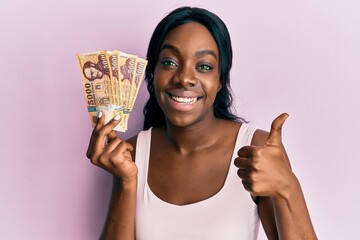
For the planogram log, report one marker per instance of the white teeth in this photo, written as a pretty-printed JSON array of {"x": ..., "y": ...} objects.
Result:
[{"x": 184, "y": 100}]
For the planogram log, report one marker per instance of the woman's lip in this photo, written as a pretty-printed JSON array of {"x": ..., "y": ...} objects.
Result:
[
  {"x": 182, "y": 105},
  {"x": 183, "y": 100},
  {"x": 176, "y": 96},
  {"x": 182, "y": 94}
]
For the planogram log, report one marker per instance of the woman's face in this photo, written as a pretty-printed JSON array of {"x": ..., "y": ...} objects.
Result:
[{"x": 186, "y": 76}]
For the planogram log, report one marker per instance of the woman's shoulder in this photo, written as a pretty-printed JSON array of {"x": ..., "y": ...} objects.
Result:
[
  {"x": 133, "y": 140},
  {"x": 260, "y": 137},
  {"x": 230, "y": 124}
]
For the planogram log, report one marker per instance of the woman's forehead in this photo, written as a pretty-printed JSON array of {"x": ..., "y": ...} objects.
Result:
[{"x": 191, "y": 34}]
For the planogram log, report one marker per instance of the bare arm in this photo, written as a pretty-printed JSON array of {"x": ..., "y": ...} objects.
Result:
[
  {"x": 267, "y": 217},
  {"x": 120, "y": 221},
  {"x": 292, "y": 216},
  {"x": 286, "y": 218},
  {"x": 265, "y": 170},
  {"x": 108, "y": 151}
]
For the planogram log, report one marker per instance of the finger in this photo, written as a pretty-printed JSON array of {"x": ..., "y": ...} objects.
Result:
[
  {"x": 112, "y": 145},
  {"x": 243, "y": 175},
  {"x": 276, "y": 127},
  {"x": 246, "y": 185},
  {"x": 112, "y": 151},
  {"x": 101, "y": 134},
  {"x": 245, "y": 151},
  {"x": 98, "y": 125},
  {"x": 112, "y": 135},
  {"x": 242, "y": 163},
  {"x": 102, "y": 158},
  {"x": 100, "y": 121},
  {"x": 122, "y": 147}
]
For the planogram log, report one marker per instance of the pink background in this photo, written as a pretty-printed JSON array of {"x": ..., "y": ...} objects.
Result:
[{"x": 302, "y": 57}]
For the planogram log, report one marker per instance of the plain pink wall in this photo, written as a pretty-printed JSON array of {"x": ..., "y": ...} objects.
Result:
[{"x": 302, "y": 57}]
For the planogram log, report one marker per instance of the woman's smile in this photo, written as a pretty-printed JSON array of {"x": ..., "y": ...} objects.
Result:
[
  {"x": 181, "y": 102},
  {"x": 184, "y": 100}
]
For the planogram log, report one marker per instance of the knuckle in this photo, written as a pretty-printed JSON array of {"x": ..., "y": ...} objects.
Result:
[
  {"x": 255, "y": 166},
  {"x": 129, "y": 146},
  {"x": 94, "y": 161},
  {"x": 258, "y": 152},
  {"x": 114, "y": 162},
  {"x": 115, "y": 141},
  {"x": 123, "y": 145},
  {"x": 102, "y": 159},
  {"x": 253, "y": 176},
  {"x": 255, "y": 188}
]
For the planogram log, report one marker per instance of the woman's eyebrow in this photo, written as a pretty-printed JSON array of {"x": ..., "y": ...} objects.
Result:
[
  {"x": 203, "y": 52},
  {"x": 169, "y": 46}
]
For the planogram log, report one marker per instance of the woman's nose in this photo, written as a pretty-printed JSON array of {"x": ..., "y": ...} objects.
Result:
[{"x": 186, "y": 76}]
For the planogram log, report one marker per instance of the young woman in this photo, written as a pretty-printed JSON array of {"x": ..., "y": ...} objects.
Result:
[{"x": 197, "y": 171}]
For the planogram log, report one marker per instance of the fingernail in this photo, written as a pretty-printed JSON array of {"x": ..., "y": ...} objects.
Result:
[
  {"x": 117, "y": 117},
  {"x": 99, "y": 114}
]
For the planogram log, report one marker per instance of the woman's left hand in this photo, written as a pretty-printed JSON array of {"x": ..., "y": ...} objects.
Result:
[{"x": 265, "y": 170}]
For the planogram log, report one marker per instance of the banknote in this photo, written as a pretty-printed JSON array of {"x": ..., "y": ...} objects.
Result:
[
  {"x": 127, "y": 65},
  {"x": 115, "y": 76},
  {"x": 139, "y": 76},
  {"x": 97, "y": 84},
  {"x": 113, "y": 57},
  {"x": 111, "y": 82}
]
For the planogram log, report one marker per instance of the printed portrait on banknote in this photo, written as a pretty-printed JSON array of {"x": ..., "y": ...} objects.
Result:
[{"x": 93, "y": 71}]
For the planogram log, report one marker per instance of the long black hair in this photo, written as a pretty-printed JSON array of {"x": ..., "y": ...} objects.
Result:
[{"x": 154, "y": 116}]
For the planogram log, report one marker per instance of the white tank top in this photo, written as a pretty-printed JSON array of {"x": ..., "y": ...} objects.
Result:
[{"x": 229, "y": 214}]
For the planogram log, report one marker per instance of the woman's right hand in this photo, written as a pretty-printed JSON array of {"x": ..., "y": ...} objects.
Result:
[{"x": 108, "y": 151}]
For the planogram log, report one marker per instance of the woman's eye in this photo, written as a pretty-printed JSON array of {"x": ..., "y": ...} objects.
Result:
[
  {"x": 168, "y": 63},
  {"x": 205, "y": 67}
]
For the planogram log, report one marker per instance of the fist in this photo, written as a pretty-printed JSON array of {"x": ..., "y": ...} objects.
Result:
[
  {"x": 265, "y": 170},
  {"x": 108, "y": 151}
]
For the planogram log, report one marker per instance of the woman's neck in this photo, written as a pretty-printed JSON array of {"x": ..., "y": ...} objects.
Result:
[{"x": 196, "y": 137}]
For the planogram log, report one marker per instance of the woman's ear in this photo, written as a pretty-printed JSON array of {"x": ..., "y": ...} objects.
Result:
[{"x": 219, "y": 87}]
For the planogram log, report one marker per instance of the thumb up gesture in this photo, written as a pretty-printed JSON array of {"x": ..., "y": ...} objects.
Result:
[{"x": 265, "y": 170}]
